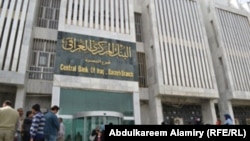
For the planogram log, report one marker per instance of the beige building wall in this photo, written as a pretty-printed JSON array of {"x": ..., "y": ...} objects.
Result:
[{"x": 190, "y": 58}]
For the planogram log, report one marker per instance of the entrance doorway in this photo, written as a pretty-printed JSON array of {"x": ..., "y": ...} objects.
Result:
[{"x": 85, "y": 122}]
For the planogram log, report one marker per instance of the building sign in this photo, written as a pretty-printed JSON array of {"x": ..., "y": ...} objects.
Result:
[{"x": 81, "y": 55}]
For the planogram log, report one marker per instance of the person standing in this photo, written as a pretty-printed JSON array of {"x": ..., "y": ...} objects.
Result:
[
  {"x": 52, "y": 124},
  {"x": 228, "y": 120},
  {"x": 26, "y": 126},
  {"x": 8, "y": 121},
  {"x": 78, "y": 137},
  {"x": 68, "y": 138},
  {"x": 218, "y": 122},
  {"x": 37, "y": 125},
  {"x": 198, "y": 121},
  {"x": 61, "y": 132},
  {"x": 94, "y": 133},
  {"x": 99, "y": 136},
  {"x": 18, "y": 135}
]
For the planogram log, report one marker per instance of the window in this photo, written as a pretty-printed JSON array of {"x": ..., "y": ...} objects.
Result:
[
  {"x": 142, "y": 73},
  {"x": 48, "y": 14},
  {"x": 138, "y": 27},
  {"x": 42, "y": 61}
]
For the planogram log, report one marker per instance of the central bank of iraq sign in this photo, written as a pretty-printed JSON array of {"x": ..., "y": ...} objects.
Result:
[{"x": 80, "y": 55}]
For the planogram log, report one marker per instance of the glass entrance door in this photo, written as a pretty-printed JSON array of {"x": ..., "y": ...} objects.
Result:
[{"x": 85, "y": 122}]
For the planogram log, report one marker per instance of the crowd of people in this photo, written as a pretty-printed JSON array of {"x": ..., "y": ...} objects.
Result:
[
  {"x": 35, "y": 126},
  {"x": 97, "y": 134},
  {"x": 39, "y": 126}
]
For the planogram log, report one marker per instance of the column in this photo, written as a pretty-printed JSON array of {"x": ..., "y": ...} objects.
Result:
[
  {"x": 55, "y": 100},
  {"x": 155, "y": 106},
  {"x": 136, "y": 103},
  {"x": 208, "y": 112},
  {"x": 20, "y": 97},
  {"x": 225, "y": 107}
]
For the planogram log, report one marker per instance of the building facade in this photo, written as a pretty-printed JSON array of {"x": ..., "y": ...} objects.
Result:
[
  {"x": 228, "y": 31},
  {"x": 126, "y": 62}
]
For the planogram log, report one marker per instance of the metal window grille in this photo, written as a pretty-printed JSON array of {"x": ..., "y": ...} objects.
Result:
[
  {"x": 142, "y": 77},
  {"x": 138, "y": 27},
  {"x": 42, "y": 61},
  {"x": 48, "y": 15}
]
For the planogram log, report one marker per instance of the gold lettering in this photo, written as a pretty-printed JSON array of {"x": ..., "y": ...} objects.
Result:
[
  {"x": 67, "y": 68},
  {"x": 114, "y": 72},
  {"x": 92, "y": 69},
  {"x": 68, "y": 44},
  {"x": 106, "y": 62},
  {"x": 127, "y": 74},
  {"x": 83, "y": 69},
  {"x": 93, "y": 61},
  {"x": 100, "y": 71},
  {"x": 120, "y": 73},
  {"x": 96, "y": 47}
]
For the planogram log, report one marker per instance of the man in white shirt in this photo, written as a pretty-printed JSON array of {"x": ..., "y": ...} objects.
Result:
[
  {"x": 61, "y": 132},
  {"x": 18, "y": 135}
]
